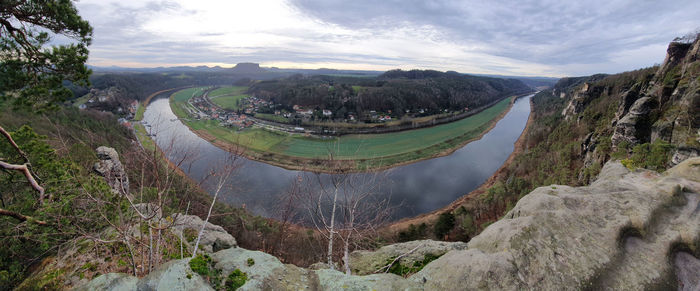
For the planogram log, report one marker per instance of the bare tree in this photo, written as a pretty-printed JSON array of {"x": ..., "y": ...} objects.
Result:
[
  {"x": 222, "y": 173},
  {"x": 347, "y": 208}
]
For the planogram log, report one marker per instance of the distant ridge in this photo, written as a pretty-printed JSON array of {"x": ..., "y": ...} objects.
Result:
[{"x": 248, "y": 68}]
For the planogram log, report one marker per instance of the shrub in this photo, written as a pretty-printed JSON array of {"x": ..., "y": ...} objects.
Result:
[
  {"x": 236, "y": 279},
  {"x": 444, "y": 224},
  {"x": 200, "y": 265},
  {"x": 203, "y": 265},
  {"x": 405, "y": 270}
]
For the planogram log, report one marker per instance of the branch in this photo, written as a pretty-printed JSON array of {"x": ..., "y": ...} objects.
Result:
[
  {"x": 387, "y": 267},
  {"x": 13, "y": 144},
  {"x": 27, "y": 173},
  {"x": 21, "y": 217}
]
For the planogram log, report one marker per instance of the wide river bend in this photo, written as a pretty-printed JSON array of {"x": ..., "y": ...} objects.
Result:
[{"x": 412, "y": 189}]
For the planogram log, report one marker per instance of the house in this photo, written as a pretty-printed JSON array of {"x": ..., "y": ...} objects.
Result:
[
  {"x": 305, "y": 112},
  {"x": 327, "y": 113}
]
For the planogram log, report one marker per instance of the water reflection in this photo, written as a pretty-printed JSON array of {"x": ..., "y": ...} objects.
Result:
[{"x": 415, "y": 188}]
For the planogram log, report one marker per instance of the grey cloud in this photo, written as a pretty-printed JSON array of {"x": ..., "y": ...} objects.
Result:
[
  {"x": 550, "y": 32},
  {"x": 573, "y": 37}
]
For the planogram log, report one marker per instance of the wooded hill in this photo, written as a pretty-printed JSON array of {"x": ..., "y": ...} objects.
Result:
[{"x": 392, "y": 92}]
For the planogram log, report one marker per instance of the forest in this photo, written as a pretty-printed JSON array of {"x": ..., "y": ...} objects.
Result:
[{"x": 395, "y": 92}]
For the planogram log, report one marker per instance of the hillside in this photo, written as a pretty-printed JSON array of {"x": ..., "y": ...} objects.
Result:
[
  {"x": 395, "y": 93},
  {"x": 626, "y": 231}
]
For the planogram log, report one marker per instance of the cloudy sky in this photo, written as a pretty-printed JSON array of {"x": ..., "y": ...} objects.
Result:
[{"x": 514, "y": 37}]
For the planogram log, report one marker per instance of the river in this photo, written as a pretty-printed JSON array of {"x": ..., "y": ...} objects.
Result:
[{"x": 412, "y": 189}]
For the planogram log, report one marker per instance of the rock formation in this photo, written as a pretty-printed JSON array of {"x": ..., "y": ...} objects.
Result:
[
  {"x": 666, "y": 106},
  {"x": 214, "y": 238},
  {"x": 369, "y": 262},
  {"x": 634, "y": 126},
  {"x": 626, "y": 231},
  {"x": 111, "y": 168}
]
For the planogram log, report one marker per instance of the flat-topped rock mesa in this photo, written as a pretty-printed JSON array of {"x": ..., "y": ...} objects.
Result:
[{"x": 248, "y": 68}]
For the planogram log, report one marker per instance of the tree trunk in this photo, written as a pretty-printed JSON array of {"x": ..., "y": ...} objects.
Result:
[
  {"x": 332, "y": 231},
  {"x": 346, "y": 256}
]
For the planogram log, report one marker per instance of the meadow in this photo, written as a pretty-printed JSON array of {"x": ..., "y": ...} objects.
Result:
[
  {"x": 368, "y": 150},
  {"x": 228, "y": 97}
]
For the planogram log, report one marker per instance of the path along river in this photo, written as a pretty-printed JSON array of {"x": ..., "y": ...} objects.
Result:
[{"x": 412, "y": 189}]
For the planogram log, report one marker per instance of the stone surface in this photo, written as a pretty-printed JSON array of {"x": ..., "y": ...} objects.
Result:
[
  {"x": 111, "y": 281},
  {"x": 368, "y": 262},
  {"x": 683, "y": 153},
  {"x": 111, "y": 168},
  {"x": 214, "y": 237},
  {"x": 688, "y": 270},
  {"x": 579, "y": 100},
  {"x": 633, "y": 128},
  {"x": 561, "y": 237},
  {"x": 171, "y": 276}
]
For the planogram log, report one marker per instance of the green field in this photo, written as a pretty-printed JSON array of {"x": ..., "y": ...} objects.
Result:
[
  {"x": 81, "y": 100},
  {"x": 139, "y": 112},
  {"x": 180, "y": 98},
  {"x": 228, "y": 97},
  {"x": 272, "y": 117},
  {"x": 388, "y": 147},
  {"x": 143, "y": 137}
]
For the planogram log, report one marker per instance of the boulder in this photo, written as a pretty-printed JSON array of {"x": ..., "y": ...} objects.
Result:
[
  {"x": 368, "y": 262},
  {"x": 173, "y": 275},
  {"x": 683, "y": 153},
  {"x": 111, "y": 168},
  {"x": 617, "y": 233},
  {"x": 111, "y": 281},
  {"x": 214, "y": 237}
]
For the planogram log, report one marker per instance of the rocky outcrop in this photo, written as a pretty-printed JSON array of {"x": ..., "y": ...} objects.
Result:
[
  {"x": 618, "y": 233},
  {"x": 111, "y": 168},
  {"x": 264, "y": 272},
  {"x": 634, "y": 127},
  {"x": 580, "y": 99},
  {"x": 683, "y": 153},
  {"x": 369, "y": 262},
  {"x": 673, "y": 97},
  {"x": 214, "y": 238},
  {"x": 626, "y": 231}
]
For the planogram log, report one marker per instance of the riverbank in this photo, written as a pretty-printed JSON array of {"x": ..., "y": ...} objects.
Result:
[
  {"x": 442, "y": 140},
  {"x": 430, "y": 217}
]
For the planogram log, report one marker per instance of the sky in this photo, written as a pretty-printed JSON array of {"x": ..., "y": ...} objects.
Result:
[{"x": 512, "y": 37}]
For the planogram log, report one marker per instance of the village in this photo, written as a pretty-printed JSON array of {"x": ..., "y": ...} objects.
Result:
[{"x": 201, "y": 108}]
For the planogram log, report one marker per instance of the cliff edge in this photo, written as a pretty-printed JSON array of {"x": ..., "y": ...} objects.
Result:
[{"x": 627, "y": 230}]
